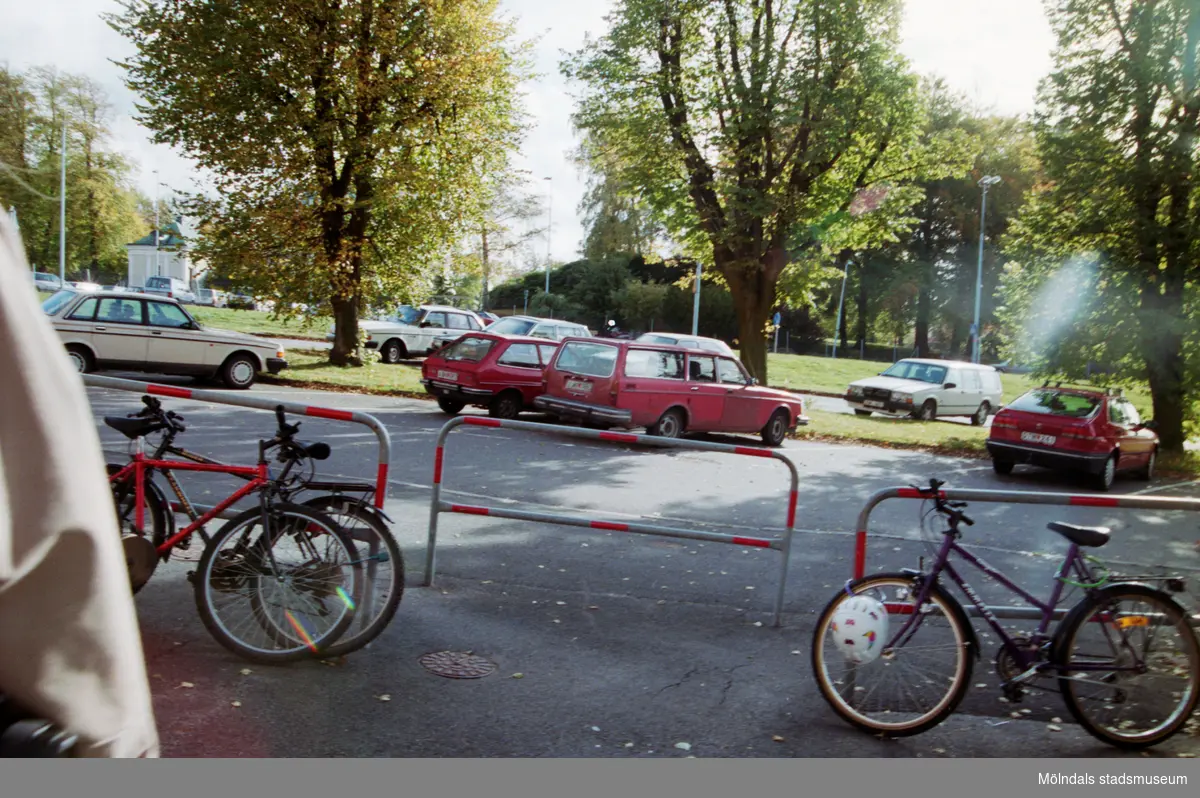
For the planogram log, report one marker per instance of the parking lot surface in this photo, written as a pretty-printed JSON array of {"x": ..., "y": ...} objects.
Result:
[{"x": 609, "y": 644}]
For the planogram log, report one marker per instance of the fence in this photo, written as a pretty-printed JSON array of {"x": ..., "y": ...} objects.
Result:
[
  {"x": 438, "y": 506},
  {"x": 1009, "y": 497},
  {"x": 257, "y": 403}
]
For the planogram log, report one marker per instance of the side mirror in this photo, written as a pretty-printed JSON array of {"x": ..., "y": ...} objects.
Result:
[
  {"x": 950, "y": 385},
  {"x": 753, "y": 381},
  {"x": 1151, "y": 424}
]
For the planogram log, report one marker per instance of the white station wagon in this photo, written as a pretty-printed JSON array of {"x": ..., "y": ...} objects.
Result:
[
  {"x": 415, "y": 332},
  {"x": 927, "y": 389},
  {"x": 140, "y": 332}
]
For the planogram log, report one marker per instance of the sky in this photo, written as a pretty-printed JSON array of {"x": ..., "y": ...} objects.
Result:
[{"x": 994, "y": 51}]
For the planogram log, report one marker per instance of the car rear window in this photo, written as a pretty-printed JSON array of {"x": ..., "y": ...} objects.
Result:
[
  {"x": 594, "y": 360},
  {"x": 471, "y": 349},
  {"x": 56, "y": 302},
  {"x": 1057, "y": 403},
  {"x": 158, "y": 282},
  {"x": 512, "y": 326}
]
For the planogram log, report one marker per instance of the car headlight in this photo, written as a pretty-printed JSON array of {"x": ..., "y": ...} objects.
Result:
[
  {"x": 279, "y": 353},
  {"x": 903, "y": 398},
  {"x": 856, "y": 390}
]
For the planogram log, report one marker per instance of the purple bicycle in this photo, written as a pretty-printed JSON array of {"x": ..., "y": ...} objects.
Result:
[{"x": 1125, "y": 657}]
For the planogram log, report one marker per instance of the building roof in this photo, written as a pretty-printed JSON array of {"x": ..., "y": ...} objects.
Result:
[{"x": 171, "y": 237}]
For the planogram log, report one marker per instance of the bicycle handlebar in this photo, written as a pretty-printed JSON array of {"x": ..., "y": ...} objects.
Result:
[{"x": 944, "y": 507}]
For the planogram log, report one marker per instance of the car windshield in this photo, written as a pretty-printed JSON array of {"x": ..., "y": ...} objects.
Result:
[
  {"x": 511, "y": 326},
  {"x": 405, "y": 314},
  {"x": 1057, "y": 403},
  {"x": 158, "y": 282},
  {"x": 468, "y": 350},
  {"x": 922, "y": 372},
  {"x": 57, "y": 301}
]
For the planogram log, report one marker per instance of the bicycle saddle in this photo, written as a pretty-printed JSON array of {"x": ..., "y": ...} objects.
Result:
[
  {"x": 1090, "y": 536},
  {"x": 317, "y": 451},
  {"x": 133, "y": 427}
]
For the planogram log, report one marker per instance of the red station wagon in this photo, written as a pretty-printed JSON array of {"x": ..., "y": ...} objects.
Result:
[
  {"x": 500, "y": 372},
  {"x": 1094, "y": 431},
  {"x": 666, "y": 389}
]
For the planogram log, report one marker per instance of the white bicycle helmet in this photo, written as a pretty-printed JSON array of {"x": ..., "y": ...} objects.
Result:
[{"x": 859, "y": 629}]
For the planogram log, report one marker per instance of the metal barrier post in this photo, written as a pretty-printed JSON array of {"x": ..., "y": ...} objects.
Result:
[
  {"x": 257, "y": 403},
  {"x": 436, "y": 505},
  {"x": 1009, "y": 497}
]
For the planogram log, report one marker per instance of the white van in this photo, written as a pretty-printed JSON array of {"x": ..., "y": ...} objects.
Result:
[{"x": 928, "y": 389}]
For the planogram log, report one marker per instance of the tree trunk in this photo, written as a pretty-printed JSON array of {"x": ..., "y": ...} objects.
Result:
[
  {"x": 1162, "y": 325},
  {"x": 483, "y": 302},
  {"x": 924, "y": 306},
  {"x": 861, "y": 335},
  {"x": 753, "y": 297},
  {"x": 345, "y": 333}
]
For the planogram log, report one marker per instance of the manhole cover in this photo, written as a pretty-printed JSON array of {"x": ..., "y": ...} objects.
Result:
[{"x": 457, "y": 665}]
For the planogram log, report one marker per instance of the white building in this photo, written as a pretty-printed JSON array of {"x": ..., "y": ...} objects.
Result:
[{"x": 169, "y": 259}]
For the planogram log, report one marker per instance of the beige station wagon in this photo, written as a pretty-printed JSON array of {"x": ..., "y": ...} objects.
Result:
[{"x": 140, "y": 332}]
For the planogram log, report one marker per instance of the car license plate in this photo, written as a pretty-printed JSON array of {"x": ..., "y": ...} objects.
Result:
[
  {"x": 579, "y": 386},
  {"x": 873, "y": 403},
  {"x": 447, "y": 375},
  {"x": 1037, "y": 437}
]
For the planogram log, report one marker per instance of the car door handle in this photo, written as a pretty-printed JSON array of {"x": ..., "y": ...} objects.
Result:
[
  {"x": 101, "y": 329},
  {"x": 696, "y": 388},
  {"x": 630, "y": 385},
  {"x": 156, "y": 332}
]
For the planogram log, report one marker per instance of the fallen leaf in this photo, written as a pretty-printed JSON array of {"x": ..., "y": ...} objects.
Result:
[
  {"x": 246, "y": 671},
  {"x": 518, "y": 676},
  {"x": 758, "y": 623},
  {"x": 629, "y": 745},
  {"x": 186, "y": 684},
  {"x": 939, "y": 750},
  {"x": 1186, "y": 755},
  {"x": 593, "y": 607},
  {"x": 981, "y": 685},
  {"x": 235, "y": 704},
  {"x": 595, "y": 728},
  {"x": 776, "y": 738},
  {"x": 385, "y": 697},
  {"x": 561, "y": 603},
  {"x": 684, "y": 746},
  {"x": 1056, "y": 720},
  {"x": 1054, "y": 727}
]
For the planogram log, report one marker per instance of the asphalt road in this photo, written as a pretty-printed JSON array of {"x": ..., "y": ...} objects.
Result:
[{"x": 608, "y": 644}]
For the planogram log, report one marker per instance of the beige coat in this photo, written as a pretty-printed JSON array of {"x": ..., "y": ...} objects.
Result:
[{"x": 70, "y": 649}]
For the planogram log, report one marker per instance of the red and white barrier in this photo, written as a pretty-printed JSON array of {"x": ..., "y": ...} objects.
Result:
[
  {"x": 262, "y": 403},
  {"x": 438, "y": 506},
  {"x": 1008, "y": 497}
]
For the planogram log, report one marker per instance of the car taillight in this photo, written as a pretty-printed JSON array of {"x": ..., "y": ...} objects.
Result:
[{"x": 1002, "y": 423}]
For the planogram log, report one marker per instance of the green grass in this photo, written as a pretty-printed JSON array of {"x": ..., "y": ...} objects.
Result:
[
  {"x": 938, "y": 436},
  {"x": 311, "y": 368},
  {"x": 259, "y": 323}
]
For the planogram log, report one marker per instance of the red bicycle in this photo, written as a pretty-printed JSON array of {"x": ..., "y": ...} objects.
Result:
[{"x": 276, "y": 583}]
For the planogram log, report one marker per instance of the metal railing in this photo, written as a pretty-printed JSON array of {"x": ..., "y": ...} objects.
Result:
[
  {"x": 438, "y": 506},
  {"x": 1009, "y": 497},
  {"x": 260, "y": 403}
]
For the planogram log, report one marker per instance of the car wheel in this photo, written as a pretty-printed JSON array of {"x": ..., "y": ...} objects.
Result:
[
  {"x": 239, "y": 371},
  {"x": 393, "y": 351},
  {"x": 1104, "y": 480},
  {"x": 81, "y": 358},
  {"x": 1002, "y": 467},
  {"x": 776, "y": 428},
  {"x": 928, "y": 411},
  {"x": 1147, "y": 472},
  {"x": 451, "y": 406},
  {"x": 981, "y": 415},
  {"x": 670, "y": 425},
  {"x": 507, "y": 405},
  {"x": 862, "y": 412}
]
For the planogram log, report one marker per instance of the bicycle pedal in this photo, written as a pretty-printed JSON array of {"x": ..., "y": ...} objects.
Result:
[{"x": 191, "y": 577}]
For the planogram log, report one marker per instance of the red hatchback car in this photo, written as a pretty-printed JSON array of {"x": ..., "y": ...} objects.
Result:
[
  {"x": 500, "y": 372},
  {"x": 666, "y": 389},
  {"x": 1094, "y": 431}
]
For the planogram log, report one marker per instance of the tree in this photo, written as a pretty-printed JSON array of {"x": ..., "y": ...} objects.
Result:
[
  {"x": 348, "y": 141},
  {"x": 1113, "y": 235},
  {"x": 502, "y": 228},
  {"x": 639, "y": 304},
  {"x": 760, "y": 131},
  {"x": 617, "y": 218}
]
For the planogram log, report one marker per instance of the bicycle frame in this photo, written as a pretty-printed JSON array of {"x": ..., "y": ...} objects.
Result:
[
  {"x": 1026, "y": 659},
  {"x": 257, "y": 477}
]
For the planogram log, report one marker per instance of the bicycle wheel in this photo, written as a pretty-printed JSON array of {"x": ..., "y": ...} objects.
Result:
[
  {"x": 1129, "y": 665},
  {"x": 911, "y": 687},
  {"x": 303, "y": 577},
  {"x": 383, "y": 571}
]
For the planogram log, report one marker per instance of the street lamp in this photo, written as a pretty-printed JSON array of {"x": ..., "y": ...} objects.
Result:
[
  {"x": 549, "y": 224},
  {"x": 986, "y": 183}
]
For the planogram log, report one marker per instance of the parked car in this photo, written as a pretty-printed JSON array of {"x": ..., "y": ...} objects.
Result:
[
  {"x": 1093, "y": 431},
  {"x": 44, "y": 281},
  {"x": 239, "y": 302},
  {"x": 929, "y": 389},
  {"x": 85, "y": 286},
  {"x": 1012, "y": 367},
  {"x": 669, "y": 390},
  {"x": 500, "y": 372},
  {"x": 170, "y": 287},
  {"x": 487, "y": 318},
  {"x": 211, "y": 297},
  {"x": 534, "y": 327},
  {"x": 149, "y": 333},
  {"x": 689, "y": 341},
  {"x": 416, "y": 332}
]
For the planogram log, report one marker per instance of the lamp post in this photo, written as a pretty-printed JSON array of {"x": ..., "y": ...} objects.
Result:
[
  {"x": 157, "y": 267},
  {"x": 62, "y": 212},
  {"x": 549, "y": 225},
  {"x": 837, "y": 330},
  {"x": 986, "y": 183}
]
